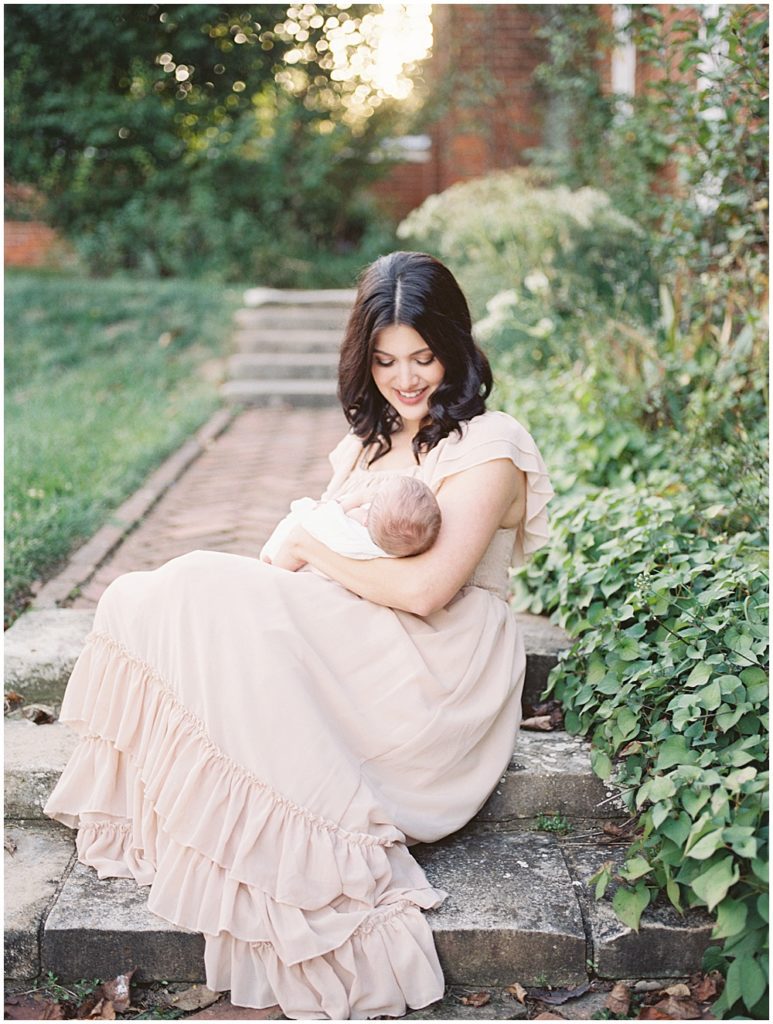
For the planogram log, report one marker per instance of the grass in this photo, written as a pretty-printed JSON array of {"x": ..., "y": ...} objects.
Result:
[
  {"x": 104, "y": 378},
  {"x": 553, "y": 823}
]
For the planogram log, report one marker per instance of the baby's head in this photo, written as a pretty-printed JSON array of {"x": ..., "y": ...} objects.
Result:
[{"x": 404, "y": 517}]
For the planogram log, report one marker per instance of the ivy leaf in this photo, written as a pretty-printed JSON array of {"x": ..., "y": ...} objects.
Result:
[
  {"x": 706, "y": 846},
  {"x": 713, "y": 884},
  {"x": 731, "y": 919},
  {"x": 675, "y": 751},
  {"x": 634, "y": 868},
  {"x": 628, "y": 649},
  {"x": 699, "y": 675},
  {"x": 628, "y": 904},
  {"x": 710, "y": 697},
  {"x": 600, "y": 763},
  {"x": 745, "y": 980}
]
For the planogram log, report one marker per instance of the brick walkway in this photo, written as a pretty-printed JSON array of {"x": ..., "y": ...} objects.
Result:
[{"x": 234, "y": 494}]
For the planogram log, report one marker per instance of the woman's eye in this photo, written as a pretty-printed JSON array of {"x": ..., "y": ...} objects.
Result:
[
  {"x": 379, "y": 363},
  {"x": 426, "y": 362}
]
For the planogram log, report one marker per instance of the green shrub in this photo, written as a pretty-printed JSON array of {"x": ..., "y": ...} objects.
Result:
[{"x": 538, "y": 263}]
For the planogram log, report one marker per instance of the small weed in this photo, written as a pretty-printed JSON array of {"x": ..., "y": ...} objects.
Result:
[
  {"x": 553, "y": 823},
  {"x": 77, "y": 991}
]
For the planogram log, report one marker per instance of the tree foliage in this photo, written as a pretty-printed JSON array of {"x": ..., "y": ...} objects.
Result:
[{"x": 195, "y": 130}]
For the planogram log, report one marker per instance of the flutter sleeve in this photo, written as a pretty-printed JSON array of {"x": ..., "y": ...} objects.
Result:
[
  {"x": 496, "y": 435},
  {"x": 342, "y": 459}
]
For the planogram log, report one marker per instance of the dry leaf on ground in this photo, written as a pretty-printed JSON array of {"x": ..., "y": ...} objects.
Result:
[
  {"x": 652, "y": 1013},
  {"x": 11, "y": 700},
  {"x": 619, "y": 999},
  {"x": 476, "y": 999},
  {"x": 118, "y": 990},
  {"x": 194, "y": 998},
  {"x": 674, "y": 1008},
  {"x": 104, "y": 1010},
  {"x": 24, "y": 1007},
  {"x": 677, "y": 990},
  {"x": 705, "y": 987},
  {"x": 9, "y": 844},
  {"x": 40, "y": 714},
  {"x": 517, "y": 992},
  {"x": 555, "y": 997},
  {"x": 540, "y": 723}
]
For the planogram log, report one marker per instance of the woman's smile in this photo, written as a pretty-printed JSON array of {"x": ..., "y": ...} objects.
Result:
[{"x": 406, "y": 371}]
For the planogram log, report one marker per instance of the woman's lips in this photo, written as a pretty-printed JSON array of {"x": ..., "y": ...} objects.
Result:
[{"x": 410, "y": 401}]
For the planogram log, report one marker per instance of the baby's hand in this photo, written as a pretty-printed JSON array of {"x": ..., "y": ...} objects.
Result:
[{"x": 354, "y": 499}]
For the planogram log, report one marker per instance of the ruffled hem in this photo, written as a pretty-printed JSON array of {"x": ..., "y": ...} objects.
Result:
[{"x": 251, "y": 867}]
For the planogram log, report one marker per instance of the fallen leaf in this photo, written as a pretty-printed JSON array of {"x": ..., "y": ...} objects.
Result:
[
  {"x": 10, "y": 844},
  {"x": 11, "y": 700},
  {"x": 104, "y": 1010},
  {"x": 675, "y": 1008},
  {"x": 476, "y": 999},
  {"x": 25, "y": 1007},
  {"x": 557, "y": 996},
  {"x": 619, "y": 999},
  {"x": 118, "y": 991},
  {"x": 546, "y": 707},
  {"x": 613, "y": 829},
  {"x": 195, "y": 998},
  {"x": 704, "y": 987},
  {"x": 677, "y": 990},
  {"x": 630, "y": 748},
  {"x": 517, "y": 992},
  {"x": 652, "y": 1013},
  {"x": 40, "y": 714},
  {"x": 539, "y": 723}
]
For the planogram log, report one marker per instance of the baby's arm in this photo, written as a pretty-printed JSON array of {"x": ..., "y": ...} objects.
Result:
[{"x": 354, "y": 499}]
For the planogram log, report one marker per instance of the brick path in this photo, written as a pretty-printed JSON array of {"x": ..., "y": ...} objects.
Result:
[{"x": 234, "y": 494}]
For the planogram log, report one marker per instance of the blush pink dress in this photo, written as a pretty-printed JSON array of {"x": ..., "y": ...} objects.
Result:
[{"x": 262, "y": 747}]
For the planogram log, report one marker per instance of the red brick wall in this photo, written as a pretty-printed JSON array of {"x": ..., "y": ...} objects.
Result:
[
  {"x": 32, "y": 244},
  {"x": 405, "y": 187}
]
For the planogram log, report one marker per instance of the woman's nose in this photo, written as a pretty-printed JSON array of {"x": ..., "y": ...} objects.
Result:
[{"x": 405, "y": 375}]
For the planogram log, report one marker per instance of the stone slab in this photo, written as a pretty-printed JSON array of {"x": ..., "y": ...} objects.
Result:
[
  {"x": 41, "y": 648},
  {"x": 309, "y": 392},
  {"x": 666, "y": 945},
  {"x": 98, "y": 929},
  {"x": 36, "y": 858},
  {"x": 283, "y": 365},
  {"x": 300, "y": 297},
  {"x": 511, "y": 915},
  {"x": 298, "y": 340},
  {"x": 35, "y": 756},
  {"x": 544, "y": 642},
  {"x": 550, "y": 773},
  {"x": 292, "y": 317}
]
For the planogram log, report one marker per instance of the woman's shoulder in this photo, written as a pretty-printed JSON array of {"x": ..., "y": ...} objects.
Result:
[
  {"x": 492, "y": 425},
  {"x": 492, "y": 435}
]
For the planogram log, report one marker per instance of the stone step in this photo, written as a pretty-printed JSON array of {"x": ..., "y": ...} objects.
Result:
[
  {"x": 306, "y": 393},
  {"x": 300, "y": 297},
  {"x": 292, "y": 317},
  {"x": 283, "y": 365},
  {"x": 291, "y": 340},
  {"x": 42, "y": 645},
  {"x": 549, "y": 774},
  {"x": 519, "y": 910}
]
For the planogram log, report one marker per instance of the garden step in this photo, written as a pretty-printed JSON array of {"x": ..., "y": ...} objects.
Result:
[
  {"x": 293, "y": 317},
  {"x": 517, "y": 910},
  {"x": 42, "y": 645},
  {"x": 276, "y": 365},
  {"x": 549, "y": 774},
  {"x": 309, "y": 392},
  {"x": 291, "y": 340},
  {"x": 300, "y": 297}
]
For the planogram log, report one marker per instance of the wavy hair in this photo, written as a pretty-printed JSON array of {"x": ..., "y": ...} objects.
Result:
[{"x": 416, "y": 290}]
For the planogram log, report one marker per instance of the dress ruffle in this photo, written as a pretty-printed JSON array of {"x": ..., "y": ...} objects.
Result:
[{"x": 283, "y": 893}]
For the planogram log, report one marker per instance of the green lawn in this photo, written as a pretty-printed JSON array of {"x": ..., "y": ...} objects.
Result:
[{"x": 104, "y": 378}]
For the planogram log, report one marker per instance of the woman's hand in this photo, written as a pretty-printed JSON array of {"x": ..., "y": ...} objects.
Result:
[{"x": 287, "y": 556}]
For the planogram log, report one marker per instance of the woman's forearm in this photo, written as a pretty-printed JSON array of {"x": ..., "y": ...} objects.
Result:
[{"x": 387, "y": 581}]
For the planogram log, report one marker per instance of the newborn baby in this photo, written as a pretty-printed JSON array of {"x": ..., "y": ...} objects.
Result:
[{"x": 402, "y": 518}]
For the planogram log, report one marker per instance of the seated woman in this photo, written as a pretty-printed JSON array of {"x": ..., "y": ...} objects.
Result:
[{"x": 261, "y": 747}]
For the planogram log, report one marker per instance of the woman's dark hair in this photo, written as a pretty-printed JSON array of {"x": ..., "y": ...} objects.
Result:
[{"x": 415, "y": 290}]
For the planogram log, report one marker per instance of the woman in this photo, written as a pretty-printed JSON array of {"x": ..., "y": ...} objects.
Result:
[{"x": 261, "y": 746}]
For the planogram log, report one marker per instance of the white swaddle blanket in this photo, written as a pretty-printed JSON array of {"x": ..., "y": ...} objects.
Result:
[{"x": 328, "y": 522}]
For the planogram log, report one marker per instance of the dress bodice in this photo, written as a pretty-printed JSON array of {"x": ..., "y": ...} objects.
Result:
[{"x": 491, "y": 573}]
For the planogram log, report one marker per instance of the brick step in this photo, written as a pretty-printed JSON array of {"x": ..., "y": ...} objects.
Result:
[
  {"x": 549, "y": 773},
  {"x": 296, "y": 393},
  {"x": 298, "y": 340},
  {"x": 280, "y": 317},
  {"x": 300, "y": 297},
  {"x": 42, "y": 645},
  {"x": 519, "y": 909},
  {"x": 282, "y": 365}
]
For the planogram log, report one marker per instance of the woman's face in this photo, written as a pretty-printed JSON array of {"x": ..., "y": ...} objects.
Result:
[{"x": 406, "y": 371}]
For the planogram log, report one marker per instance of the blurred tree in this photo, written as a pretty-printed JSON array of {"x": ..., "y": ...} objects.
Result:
[{"x": 123, "y": 114}]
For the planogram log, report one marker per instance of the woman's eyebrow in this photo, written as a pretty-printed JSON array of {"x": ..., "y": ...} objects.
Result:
[{"x": 381, "y": 352}]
